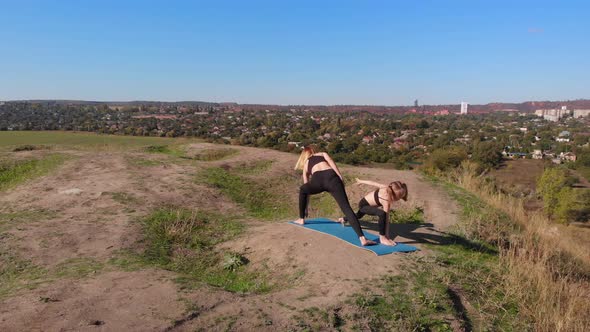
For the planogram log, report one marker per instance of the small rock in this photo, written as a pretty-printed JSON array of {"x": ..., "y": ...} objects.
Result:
[
  {"x": 96, "y": 322},
  {"x": 73, "y": 191}
]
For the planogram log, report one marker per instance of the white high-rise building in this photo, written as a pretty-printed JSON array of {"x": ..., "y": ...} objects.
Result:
[{"x": 464, "y": 106}]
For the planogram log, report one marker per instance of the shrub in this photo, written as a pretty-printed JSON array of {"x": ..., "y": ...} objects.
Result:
[
  {"x": 487, "y": 154},
  {"x": 572, "y": 205},
  {"x": 560, "y": 201},
  {"x": 445, "y": 159}
]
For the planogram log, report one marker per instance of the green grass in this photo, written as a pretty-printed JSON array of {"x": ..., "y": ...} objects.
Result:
[
  {"x": 478, "y": 220},
  {"x": 318, "y": 319},
  {"x": 171, "y": 150},
  {"x": 28, "y": 147},
  {"x": 14, "y": 172},
  {"x": 584, "y": 171},
  {"x": 123, "y": 198},
  {"x": 175, "y": 239},
  {"x": 143, "y": 162},
  {"x": 461, "y": 283},
  {"x": 255, "y": 168},
  {"x": 77, "y": 268},
  {"x": 12, "y": 139},
  {"x": 414, "y": 215},
  {"x": 17, "y": 274},
  {"x": 184, "y": 241},
  {"x": 11, "y": 219},
  {"x": 128, "y": 261},
  {"x": 324, "y": 205},
  {"x": 259, "y": 197},
  {"x": 215, "y": 154}
]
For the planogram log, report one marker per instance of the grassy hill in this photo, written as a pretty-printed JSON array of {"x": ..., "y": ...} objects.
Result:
[{"x": 139, "y": 233}]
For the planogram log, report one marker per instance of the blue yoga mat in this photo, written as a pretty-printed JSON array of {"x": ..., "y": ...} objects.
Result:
[{"x": 347, "y": 234}]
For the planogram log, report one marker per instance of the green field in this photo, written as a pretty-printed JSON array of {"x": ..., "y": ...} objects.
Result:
[{"x": 12, "y": 139}]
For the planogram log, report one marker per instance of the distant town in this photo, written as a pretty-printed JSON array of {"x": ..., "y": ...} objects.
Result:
[{"x": 353, "y": 134}]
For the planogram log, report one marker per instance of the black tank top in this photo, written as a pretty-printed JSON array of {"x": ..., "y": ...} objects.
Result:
[
  {"x": 376, "y": 196},
  {"x": 314, "y": 160}
]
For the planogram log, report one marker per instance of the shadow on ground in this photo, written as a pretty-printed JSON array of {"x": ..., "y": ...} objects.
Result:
[{"x": 425, "y": 233}]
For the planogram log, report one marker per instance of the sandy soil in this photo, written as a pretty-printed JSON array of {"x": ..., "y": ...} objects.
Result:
[{"x": 85, "y": 220}]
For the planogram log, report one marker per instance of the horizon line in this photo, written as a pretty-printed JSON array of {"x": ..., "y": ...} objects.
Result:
[{"x": 271, "y": 104}]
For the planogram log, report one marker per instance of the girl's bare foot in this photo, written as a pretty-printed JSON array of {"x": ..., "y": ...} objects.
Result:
[
  {"x": 386, "y": 241},
  {"x": 300, "y": 221},
  {"x": 366, "y": 242}
]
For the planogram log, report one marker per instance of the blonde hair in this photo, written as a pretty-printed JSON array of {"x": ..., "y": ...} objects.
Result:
[
  {"x": 305, "y": 154},
  {"x": 398, "y": 188}
]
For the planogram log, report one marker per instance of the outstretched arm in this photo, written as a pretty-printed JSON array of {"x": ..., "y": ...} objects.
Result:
[
  {"x": 333, "y": 165},
  {"x": 370, "y": 183}
]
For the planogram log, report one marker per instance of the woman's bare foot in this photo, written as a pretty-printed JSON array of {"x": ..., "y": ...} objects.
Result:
[
  {"x": 300, "y": 221},
  {"x": 386, "y": 241},
  {"x": 341, "y": 221},
  {"x": 366, "y": 242}
]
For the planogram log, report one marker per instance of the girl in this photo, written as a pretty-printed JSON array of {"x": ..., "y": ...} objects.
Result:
[
  {"x": 378, "y": 203},
  {"x": 320, "y": 174}
]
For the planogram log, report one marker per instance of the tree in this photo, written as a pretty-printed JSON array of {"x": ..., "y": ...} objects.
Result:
[
  {"x": 487, "y": 154},
  {"x": 572, "y": 205},
  {"x": 553, "y": 186},
  {"x": 445, "y": 159}
]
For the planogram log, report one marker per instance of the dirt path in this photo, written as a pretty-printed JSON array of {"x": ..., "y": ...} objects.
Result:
[{"x": 86, "y": 212}]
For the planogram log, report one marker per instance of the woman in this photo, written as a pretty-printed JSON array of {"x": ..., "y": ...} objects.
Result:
[
  {"x": 378, "y": 203},
  {"x": 320, "y": 174}
]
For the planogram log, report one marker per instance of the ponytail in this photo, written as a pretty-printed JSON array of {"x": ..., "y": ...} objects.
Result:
[{"x": 305, "y": 154}]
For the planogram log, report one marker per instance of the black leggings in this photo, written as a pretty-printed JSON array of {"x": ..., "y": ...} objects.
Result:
[
  {"x": 328, "y": 181},
  {"x": 365, "y": 208}
]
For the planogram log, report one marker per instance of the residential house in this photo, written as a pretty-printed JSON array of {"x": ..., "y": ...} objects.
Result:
[
  {"x": 568, "y": 156},
  {"x": 537, "y": 154}
]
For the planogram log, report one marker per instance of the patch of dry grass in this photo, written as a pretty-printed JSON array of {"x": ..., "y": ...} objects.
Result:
[{"x": 546, "y": 271}]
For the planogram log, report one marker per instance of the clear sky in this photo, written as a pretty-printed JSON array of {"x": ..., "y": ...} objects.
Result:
[{"x": 296, "y": 52}]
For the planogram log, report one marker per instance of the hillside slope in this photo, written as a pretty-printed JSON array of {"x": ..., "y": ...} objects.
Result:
[{"x": 71, "y": 232}]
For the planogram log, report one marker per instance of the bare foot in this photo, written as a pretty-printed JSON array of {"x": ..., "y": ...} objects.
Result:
[
  {"x": 366, "y": 242},
  {"x": 341, "y": 221},
  {"x": 387, "y": 241},
  {"x": 300, "y": 221}
]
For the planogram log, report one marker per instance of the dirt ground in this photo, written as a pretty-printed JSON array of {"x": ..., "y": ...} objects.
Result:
[{"x": 83, "y": 218}]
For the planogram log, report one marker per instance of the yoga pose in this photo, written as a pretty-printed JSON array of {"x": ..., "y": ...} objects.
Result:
[
  {"x": 320, "y": 174},
  {"x": 378, "y": 203}
]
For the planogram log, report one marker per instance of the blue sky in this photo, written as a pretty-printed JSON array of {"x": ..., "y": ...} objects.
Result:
[{"x": 296, "y": 52}]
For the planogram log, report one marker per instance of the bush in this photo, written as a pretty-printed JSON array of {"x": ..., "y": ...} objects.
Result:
[
  {"x": 445, "y": 159},
  {"x": 487, "y": 154},
  {"x": 549, "y": 186},
  {"x": 583, "y": 158},
  {"x": 560, "y": 201},
  {"x": 572, "y": 205}
]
